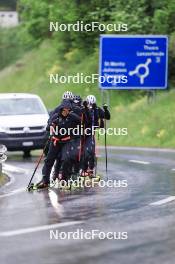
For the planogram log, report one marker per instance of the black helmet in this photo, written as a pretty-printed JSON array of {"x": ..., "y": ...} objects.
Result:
[{"x": 77, "y": 99}]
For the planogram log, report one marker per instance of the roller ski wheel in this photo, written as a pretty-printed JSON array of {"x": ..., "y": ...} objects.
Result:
[
  {"x": 30, "y": 187},
  {"x": 92, "y": 177}
]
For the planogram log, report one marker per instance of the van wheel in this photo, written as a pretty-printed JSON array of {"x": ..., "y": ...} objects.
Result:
[{"x": 26, "y": 154}]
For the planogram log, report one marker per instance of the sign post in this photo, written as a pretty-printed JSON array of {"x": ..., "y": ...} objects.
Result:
[{"x": 133, "y": 62}]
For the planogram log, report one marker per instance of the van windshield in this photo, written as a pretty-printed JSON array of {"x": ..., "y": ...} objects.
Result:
[{"x": 21, "y": 106}]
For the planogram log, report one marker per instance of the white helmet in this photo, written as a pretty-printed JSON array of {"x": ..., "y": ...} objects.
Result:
[
  {"x": 91, "y": 99},
  {"x": 67, "y": 95}
]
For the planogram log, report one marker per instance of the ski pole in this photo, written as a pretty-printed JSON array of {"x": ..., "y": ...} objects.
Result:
[
  {"x": 81, "y": 154},
  {"x": 81, "y": 143},
  {"x": 37, "y": 165},
  {"x": 83, "y": 148},
  {"x": 106, "y": 151},
  {"x": 93, "y": 141}
]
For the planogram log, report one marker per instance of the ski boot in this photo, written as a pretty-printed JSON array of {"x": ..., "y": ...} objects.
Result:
[{"x": 41, "y": 185}]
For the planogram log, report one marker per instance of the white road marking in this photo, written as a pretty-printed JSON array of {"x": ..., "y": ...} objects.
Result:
[
  {"x": 12, "y": 179},
  {"x": 164, "y": 201},
  {"x": 13, "y": 192},
  {"x": 140, "y": 162},
  {"x": 37, "y": 229},
  {"x": 11, "y": 168}
]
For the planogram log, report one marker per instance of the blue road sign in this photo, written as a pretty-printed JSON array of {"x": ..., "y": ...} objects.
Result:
[{"x": 133, "y": 62}]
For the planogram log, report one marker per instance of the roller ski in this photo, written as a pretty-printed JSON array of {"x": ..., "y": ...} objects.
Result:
[
  {"x": 38, "y": 187},
  {"x": 54, "y": 184},
  {"x": 76, "y": 182}
]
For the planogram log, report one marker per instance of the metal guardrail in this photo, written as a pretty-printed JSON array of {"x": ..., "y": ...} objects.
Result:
[{"x": 3, "y": 156}]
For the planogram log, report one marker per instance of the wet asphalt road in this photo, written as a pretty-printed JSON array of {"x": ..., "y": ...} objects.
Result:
[{"x": 27, "y": 218}]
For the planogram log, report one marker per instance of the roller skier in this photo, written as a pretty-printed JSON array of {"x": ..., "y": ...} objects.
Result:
[
  {"x": 96, "y": 116},
  {"x": 61, "y": 146}
]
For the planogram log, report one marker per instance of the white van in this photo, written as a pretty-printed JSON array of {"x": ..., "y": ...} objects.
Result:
[{"x": 23, "y": 121}]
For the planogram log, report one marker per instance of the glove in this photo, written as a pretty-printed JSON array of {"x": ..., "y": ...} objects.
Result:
[
  {"x": 48, "y": 128},
  {"x": 85, "y": 104},
  {"x": 94, "y": 106},
  {"x": 84, "y": 110},
  {"x": 105, "y": 107},
  {"x": 53, "y": 123}
]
